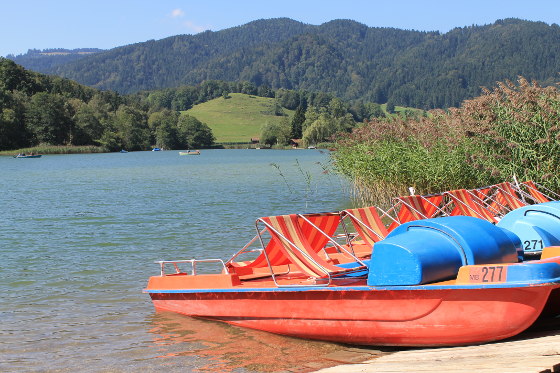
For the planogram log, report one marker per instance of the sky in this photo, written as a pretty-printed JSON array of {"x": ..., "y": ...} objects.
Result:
[{"x": 105, "y": 24}]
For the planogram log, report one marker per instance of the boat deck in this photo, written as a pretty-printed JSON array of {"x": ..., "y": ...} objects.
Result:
[{"x": 475, "y": 276}]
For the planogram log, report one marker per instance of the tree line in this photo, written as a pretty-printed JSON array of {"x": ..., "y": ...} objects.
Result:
[
  {"x": 39, "y": 109},
  {"x": 47, "y": 59},
  {"x": 314, "y": 124},
  {"x": 345, "y": 58}
]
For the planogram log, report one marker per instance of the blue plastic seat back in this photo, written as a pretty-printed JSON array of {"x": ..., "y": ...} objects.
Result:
[
  {"x": 430, "y": 250},
  {"x": 537, "y": 226}
]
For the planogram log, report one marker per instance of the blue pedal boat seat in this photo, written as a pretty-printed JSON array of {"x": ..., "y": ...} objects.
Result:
[
  {"x": 537, "y": 226},
  {"x": 425, "y": 251}
]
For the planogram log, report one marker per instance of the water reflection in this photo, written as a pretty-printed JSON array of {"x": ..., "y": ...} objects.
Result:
[{"x": 219, "y": 347}]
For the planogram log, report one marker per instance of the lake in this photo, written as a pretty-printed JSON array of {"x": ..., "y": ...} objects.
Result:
[{"x": 81, "y": 233}]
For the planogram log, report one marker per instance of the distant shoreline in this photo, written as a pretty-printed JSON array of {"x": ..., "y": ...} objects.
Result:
[
  {"x": 98, "y": 149},
  {"x": 51, "y": 149}
]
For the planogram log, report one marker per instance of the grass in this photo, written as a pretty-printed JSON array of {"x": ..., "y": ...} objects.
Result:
[
  {"x": 399, "y": 110},
  {"x": 237, "y": 119},
  {"x": 53, "y": 149}
]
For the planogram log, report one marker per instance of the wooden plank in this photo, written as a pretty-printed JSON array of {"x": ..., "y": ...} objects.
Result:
[{"x": 536, "y": 352}]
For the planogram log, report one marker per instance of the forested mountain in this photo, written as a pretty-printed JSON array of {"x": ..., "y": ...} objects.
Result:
[
  {"x": 165, "y": 63},
  {"x": 342, "y": 57},
  {"x": 46, "y": 59},
  {"x": 37, "y": 109}
]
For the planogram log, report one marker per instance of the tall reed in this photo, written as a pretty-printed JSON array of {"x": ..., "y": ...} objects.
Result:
[
  {"x": 511, "y": 130},
  {"x": 56, "y": 149}
]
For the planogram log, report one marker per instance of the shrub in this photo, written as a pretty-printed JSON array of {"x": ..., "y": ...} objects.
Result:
[{"x": 511, "y": 130}]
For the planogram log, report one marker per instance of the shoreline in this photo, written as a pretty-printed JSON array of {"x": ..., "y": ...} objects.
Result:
[{"x": 81, "y": 150}]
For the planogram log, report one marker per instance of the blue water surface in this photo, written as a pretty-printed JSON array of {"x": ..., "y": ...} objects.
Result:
[{"x": 80, "y": 233}]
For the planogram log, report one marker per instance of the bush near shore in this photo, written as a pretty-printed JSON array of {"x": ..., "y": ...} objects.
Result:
[
  {"x": 511, "y": 130},
  {"x": 53, "y": 149}
]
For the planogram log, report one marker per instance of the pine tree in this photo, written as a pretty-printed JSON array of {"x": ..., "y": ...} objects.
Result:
[{"x": 297, "y": 123}]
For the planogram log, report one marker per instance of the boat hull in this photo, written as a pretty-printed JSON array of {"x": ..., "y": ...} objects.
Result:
[{"x": 424, "y": 317}]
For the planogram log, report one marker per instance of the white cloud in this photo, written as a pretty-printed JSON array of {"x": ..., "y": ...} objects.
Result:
[
  {"x": 194, "y": 27},
  {"x": 186, "y": 24},
  {"x": 176, "y": 13}
]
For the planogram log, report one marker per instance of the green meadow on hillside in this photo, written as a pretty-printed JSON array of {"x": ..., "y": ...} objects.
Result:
[{"x": 238, "y": 118}]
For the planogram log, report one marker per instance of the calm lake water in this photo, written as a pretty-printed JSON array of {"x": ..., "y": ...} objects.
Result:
[{"x": 80, "y": 234}]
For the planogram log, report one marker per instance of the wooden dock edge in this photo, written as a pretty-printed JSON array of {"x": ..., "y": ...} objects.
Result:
[{"x": 533, "y": 351}]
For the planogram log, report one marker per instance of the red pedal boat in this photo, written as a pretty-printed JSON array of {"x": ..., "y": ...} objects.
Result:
[{"x": 435, "y": 282}]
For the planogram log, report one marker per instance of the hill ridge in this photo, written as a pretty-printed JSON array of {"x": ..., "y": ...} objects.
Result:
[{"x": 425, "y": 69}]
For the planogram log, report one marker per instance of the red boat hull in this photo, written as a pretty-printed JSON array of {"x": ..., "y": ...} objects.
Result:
[{"x": 418, "y": 317}]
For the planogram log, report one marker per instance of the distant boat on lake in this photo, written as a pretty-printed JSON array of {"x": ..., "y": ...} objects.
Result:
[
  {"x": 23, "y": 155},
  {"x": 123, "y": 151},
  {"x": 156, "y": 149},
  {"x": 190, "y": 152}
]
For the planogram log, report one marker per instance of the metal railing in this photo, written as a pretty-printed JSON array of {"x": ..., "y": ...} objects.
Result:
[{"x": 193, "y": 263}]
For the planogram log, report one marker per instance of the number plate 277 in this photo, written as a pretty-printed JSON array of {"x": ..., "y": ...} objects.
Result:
[{"x": 483, "y": 274}]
